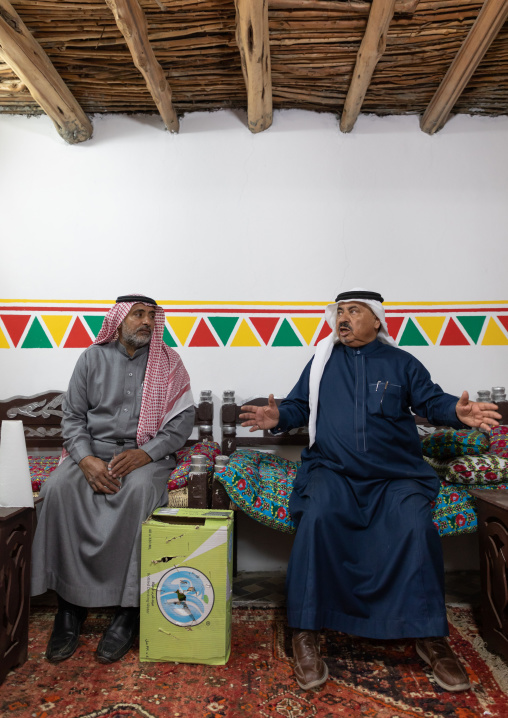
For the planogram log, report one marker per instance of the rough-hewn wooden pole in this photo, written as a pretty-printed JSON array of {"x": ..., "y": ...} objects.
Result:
[
  {"x": 406, "y": 7},
  {"x": 371, "y": 49},
  {"x": 131, "y": 22},
  {"x": 490, "y": 19},
  {"x": 26, "y": 58},
  {"x": 254, "y": 45}
]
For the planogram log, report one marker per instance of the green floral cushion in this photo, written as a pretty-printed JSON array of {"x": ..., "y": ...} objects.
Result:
[
  {"x": 448, "y": 443},
  {"x": 486, "y": 469},
  {"x": 260, "y": 484},
  {"x": 454, "y": 510}
]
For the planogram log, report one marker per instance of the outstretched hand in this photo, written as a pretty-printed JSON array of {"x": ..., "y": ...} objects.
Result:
[
  {"x": 261, "y": 417},
  {"x": 478, "y": 415}
]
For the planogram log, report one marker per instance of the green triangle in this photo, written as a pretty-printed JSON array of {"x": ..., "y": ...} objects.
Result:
[
  {"x": 286, "y": 336},
  {"x": 223, "y": 326},
  {"x": 168, "y": 338},
  {"x": 473, "y": 326},
  {"x": 36, "y": 337},
  {"x": 95, "y": 323},
  {"x": 411, "y": 336}
]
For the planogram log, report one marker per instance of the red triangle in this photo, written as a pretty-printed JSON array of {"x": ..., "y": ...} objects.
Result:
[
  {"x": 203, "y": 337},
  {"x": 504, "y": 321},
  {"x": 78, "y": 336},
  {"x": 394, "y": 324},
  {"x": 15, "y": 325},
  {"x": 325, "y": 331},
  {"x": 265, "y": 326},
  {"x": 453, "y": 337}
]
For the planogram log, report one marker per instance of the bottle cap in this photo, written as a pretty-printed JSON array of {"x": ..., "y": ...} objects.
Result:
[{"x": 198, "y": 461}]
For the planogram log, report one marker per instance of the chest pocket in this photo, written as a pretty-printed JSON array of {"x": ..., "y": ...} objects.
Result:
[{"x": 385, "y": 399}]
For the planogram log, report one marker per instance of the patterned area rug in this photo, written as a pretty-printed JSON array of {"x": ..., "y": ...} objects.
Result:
[{"x": 378, "y": 679}]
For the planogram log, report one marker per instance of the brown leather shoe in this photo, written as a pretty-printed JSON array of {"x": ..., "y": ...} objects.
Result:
[
  {"x": 448, "y": 672},
  {"x": 310, "y": 669}
]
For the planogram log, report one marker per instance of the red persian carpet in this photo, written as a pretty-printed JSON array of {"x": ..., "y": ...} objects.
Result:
[{"x": 382, "y": 679}]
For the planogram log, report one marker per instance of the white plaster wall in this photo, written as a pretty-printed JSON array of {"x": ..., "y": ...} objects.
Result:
[
  {"x": 293, "y": 214},
  {"x": 296, "y": 213}
]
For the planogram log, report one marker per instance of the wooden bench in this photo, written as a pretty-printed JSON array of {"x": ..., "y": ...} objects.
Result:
[{"x": 41, "y": 415}]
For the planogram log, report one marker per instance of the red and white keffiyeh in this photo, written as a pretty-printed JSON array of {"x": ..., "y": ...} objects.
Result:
[{"x": 166, "y": 389}]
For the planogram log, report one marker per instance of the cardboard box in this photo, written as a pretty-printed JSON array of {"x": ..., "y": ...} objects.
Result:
[{"x": 186, "y": 586}]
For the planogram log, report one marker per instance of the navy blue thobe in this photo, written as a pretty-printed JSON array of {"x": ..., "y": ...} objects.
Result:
[{"x": 367, "y": 558}]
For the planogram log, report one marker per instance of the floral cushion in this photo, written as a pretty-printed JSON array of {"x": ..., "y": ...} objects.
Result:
[
  {"x": 260, "y": 484},
  {"x": 499, "y": 441},
  {"x": 446, "y": 444},
  {"x": 454, "y": 510},
  {"x": 40, "y": 469},
  {"x": 487, "y": 469}
]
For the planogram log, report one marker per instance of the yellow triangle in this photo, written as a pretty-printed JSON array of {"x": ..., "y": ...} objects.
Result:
[
  {"x": 181, "y": 327},
  {"x": 431, "y": 326},
  {"x": 245, "y": 337},
  {"x": 4, "y": 344},
  {"x": 306, "y": 326},
  {"x": 57, "y": 326},
  {"x": 493, "y": 334}
]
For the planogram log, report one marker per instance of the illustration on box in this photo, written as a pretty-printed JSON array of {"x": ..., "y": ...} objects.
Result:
[{"x": 185, "y": 596}]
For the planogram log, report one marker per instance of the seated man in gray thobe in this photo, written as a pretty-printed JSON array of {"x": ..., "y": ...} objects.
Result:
[
  {"x": 128, "y": 409},
  {"x": 367, "y": 557}
]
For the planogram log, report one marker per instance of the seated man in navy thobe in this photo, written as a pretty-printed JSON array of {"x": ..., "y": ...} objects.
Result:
[{"x": 367, "y": 557}]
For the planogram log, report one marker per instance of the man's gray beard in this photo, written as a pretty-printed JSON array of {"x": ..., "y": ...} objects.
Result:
[{"x": 133, "y": 340}]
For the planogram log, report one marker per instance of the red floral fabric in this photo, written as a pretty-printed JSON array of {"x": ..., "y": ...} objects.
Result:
[{"x": 499, "y": 441}]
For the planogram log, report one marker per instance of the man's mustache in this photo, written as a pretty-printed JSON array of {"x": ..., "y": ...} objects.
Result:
[{"x": 345, "y": 325}]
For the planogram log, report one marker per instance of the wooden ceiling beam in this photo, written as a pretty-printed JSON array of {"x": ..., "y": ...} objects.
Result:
[
  {"x": 26, "y": 58},
  {"x": 131, "y": 22},
  {"x": 254, "y": 46},
  {"x": 490, "y": 19},
  {"x": 371, "y": 50},
  {"x": 405, "y": 7}
]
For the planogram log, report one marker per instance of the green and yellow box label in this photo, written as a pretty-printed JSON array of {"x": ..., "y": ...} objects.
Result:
[{"x": 186, "y": 586}]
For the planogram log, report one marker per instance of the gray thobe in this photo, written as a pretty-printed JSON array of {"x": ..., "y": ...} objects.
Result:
[{"x": 87, "y": 545}]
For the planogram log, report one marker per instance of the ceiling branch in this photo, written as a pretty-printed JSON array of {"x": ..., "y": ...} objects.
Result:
[
  {"x": 254, "y": 45},
  {"x": 26, "y": 58},
  {"x": 487, "y": 25},
  {"x": 371, "y": 50},
  {"x": 131, "y": 22},
  {"x": 405, "y": 7}
]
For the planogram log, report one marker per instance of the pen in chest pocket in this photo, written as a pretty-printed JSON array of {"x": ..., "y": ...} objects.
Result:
[{"x": 383, "y": 394}]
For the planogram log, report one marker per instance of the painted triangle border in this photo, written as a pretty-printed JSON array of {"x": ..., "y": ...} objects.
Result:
[{"x": 281, "y": 312}]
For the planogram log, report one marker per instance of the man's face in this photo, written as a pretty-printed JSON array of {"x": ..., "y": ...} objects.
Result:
[
  {"x": 356, "y": 324},
  {"x": 137, "y": 328}
]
